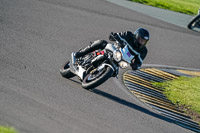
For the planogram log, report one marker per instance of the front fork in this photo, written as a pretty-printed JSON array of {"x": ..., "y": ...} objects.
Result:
[
  {"x": 113, "y": 66},
  {"x": 106, "y": 60}
]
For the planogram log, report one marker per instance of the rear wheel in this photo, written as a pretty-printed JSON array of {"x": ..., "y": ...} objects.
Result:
[
  {"x": 65, "y": 70},
  {"x": 94, "y": 79}
]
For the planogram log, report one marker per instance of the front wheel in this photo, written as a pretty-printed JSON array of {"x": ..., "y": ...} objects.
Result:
[
  {"x": 65, "y": 70},
  {"x": 96, "y": 78},
  {"x": 191, "y": 25}
]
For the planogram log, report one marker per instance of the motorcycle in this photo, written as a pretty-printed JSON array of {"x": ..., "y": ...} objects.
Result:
[
  {"x": 98, "y": 66},
  {"x": 195, "y": 22}
]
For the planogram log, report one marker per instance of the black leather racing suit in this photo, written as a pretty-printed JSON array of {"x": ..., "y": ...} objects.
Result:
[
  {"x": 127, "y": 36},
  {"x": 141, "y": 51}
]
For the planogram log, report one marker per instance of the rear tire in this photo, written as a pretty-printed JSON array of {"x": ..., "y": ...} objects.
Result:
[
  {"x": 192, "y": 22},
  {"x": 65, "y": 70},
  {"x": 105, "y": 75}
]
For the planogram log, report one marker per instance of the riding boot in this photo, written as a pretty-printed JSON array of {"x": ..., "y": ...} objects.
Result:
[{"x": 99, "y": 44}]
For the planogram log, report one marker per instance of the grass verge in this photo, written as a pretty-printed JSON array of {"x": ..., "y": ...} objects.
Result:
[
  {"x": 185, "y": 93},
  {"x": 6, "y": 129},
  {"x": 183, "y": 6}
]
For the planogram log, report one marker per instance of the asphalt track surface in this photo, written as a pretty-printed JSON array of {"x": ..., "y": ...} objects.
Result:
[{"x": 37, "y": 37}]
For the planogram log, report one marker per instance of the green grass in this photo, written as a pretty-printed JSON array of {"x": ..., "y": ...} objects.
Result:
[
  {"x": 183, "y": 91},
  {"x": 183, "y": 6},
  {"x": 6, "y": 129}
]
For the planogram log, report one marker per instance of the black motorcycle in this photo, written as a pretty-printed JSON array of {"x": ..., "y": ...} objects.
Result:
[
  {"x": 195, "y": 22},
  {"x": 98, "y": 66}
]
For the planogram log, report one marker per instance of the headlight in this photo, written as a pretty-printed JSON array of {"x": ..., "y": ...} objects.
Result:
[
  {"x": 117, "y": 55},
  {"x": 123, "y": 64}
]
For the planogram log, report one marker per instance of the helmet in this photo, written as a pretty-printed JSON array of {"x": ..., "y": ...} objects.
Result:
[{"x": 142, "y": 37}]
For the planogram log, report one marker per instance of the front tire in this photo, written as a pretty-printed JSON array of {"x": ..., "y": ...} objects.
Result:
[
  {"x": 190, "y": 25},
  {"x": 65, "y": 70},
  {"x": 89, "y": 83}
]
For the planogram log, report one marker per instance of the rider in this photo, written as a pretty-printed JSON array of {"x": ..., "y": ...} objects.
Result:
[{"x": 137, "y": 40}]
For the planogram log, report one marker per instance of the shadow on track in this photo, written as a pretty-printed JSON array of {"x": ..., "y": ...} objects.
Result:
[
  {"x": 130, "y": 105},
  {"x": 126, "y": 103}
]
